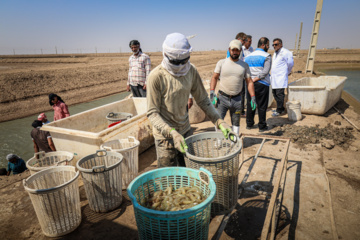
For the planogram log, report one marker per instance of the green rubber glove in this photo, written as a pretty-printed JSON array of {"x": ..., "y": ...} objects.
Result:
[
  {"x": 253, "y": 103},
  {"x": 226, "y": 130},
  {"x": 179, "y": 141}
]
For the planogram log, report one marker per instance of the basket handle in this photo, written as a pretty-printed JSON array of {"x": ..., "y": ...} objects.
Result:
[
  {"x": 66, "y": 160},
  {"x": 233, "y": 137},
  {"x": 98, "y": 167},
  {"x": 132, "y": 138},
  {"x": 207, "y": 173},
  {"x": 101, "y": 150},
  {"x": 107, "y": 148}
]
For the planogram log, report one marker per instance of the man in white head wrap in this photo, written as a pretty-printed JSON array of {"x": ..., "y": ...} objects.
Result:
[{"x": 169, "y": 86}]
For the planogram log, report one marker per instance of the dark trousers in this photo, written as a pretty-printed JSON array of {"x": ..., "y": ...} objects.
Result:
[
  {"x": 279, "y": 95},
  {"x": 243, "y": 93},
  {"x": 138, "y": 91},
  {"x": 233, "y": 104},
  {"x": 262, "y": 100}
]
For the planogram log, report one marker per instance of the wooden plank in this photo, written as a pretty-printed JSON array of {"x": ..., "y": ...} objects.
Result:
[{"x": 270, "y": 211}]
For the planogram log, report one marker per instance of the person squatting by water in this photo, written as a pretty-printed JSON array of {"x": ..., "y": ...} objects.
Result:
[
  {"x": 16, "y": 164},
  {"x": 169, "y": 87},
  {"x": 60, "y": 108},
  {"x": 232, "y": 72},
  {"x": 260, "y": 64},
  {"x": 42, "y": 139},
  {"x": 139, "y": 70}
]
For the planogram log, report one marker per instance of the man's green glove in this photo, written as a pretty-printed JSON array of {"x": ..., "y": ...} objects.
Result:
[
  {"x": 226, "y": 130},
  {"x": 179, "y": 141},
  {"x": 253, "y": 103}
]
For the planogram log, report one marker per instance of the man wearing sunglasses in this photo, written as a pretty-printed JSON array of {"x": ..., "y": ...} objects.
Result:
[
  {"x": 169, "y": 86},
  {"x": 282, "y": 64},
  {"x": 232, "y": 72},
  {"x": 139, "y": 70}
]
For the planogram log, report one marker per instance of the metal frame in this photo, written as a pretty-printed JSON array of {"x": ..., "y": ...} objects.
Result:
[{"x": 275, "y": 203}]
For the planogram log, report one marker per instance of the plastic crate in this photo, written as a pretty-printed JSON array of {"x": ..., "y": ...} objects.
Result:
[{"x": 192, "y": 223}]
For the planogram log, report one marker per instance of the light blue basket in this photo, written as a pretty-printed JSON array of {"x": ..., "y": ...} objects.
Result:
[{"x": 192, "y": 223}]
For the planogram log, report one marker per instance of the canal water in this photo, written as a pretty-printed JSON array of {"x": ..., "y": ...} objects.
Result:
[
  {"x": 15, "y": 135},
  {"x": 352, "y": 83}
]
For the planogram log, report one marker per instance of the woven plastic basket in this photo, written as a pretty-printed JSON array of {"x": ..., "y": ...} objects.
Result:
[
  {"x": 42, "y": 160},
  {"x": 101, "y": 173},
  {"x": 129, "y": 148},
  {"x": 212, "y": 151},
  {"x": 192, "y": 223},
  {"x": 54, "y": 193},
  {"x": 113, "y": 117}
]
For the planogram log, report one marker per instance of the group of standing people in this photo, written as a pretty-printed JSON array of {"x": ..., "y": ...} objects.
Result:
[
  {"x": 248, "y": 71},
  {"x": 245, "y": 71},
  {"x": 41, "y": 139}
]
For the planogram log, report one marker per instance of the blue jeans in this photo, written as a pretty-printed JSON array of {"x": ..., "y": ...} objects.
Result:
[
  {"x": 138, "y": 91},
  {"x": 230, "y": 103}
]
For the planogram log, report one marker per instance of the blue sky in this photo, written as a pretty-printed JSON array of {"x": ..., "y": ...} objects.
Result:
[{"x": 32, "y": 26}]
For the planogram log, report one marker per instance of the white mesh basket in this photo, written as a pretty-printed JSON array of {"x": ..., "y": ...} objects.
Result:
[
  {"x": 54, "y": 193},
  {"x": 129, "y": 148},
  {"x": 42, "y": 160},
  {"x": 220, "y": 156},
  {"x": 101, "y": 173},
  {"x": 113, "y": 117}
]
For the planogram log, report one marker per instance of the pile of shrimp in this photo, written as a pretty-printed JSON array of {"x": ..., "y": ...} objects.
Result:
[{"x": 174, "y": 200}]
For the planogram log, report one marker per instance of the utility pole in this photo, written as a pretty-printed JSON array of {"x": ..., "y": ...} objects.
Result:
[
  {"x": 56, "y": 50},
  {"x": 299, "y": 42},
  {"x": 295, "y": 43},
  {"x": 14, "y": 51},
  {"x": 314, "y": 37}
]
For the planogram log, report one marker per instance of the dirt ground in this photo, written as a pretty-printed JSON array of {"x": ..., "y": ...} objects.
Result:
[{"x": 322, "y": 190}]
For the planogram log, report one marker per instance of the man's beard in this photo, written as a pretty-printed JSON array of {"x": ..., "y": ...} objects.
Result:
[
  {"x": 234, "y": 56},
  {"x": 266, "y": 49}
]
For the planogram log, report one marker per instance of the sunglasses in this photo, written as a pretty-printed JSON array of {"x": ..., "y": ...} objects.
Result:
[
  {"x": 276, "y": 44},
  {"x": 178, "y": 62}
]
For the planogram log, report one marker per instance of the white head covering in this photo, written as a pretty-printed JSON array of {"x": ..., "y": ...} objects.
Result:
[
  {"x": 11, "y": 156},
  {"x": 176, "y": 46}
]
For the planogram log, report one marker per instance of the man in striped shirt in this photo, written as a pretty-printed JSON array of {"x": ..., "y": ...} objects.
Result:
[{"x": 139, "y": 69}]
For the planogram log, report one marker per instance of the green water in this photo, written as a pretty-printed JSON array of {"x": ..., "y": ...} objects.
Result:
[
  {"x": 352, "y": 83},
  {"x": 15, "y": 135}
]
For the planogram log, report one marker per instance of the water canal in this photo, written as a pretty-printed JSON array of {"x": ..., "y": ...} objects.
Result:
[{"x": 15, "y": 135}]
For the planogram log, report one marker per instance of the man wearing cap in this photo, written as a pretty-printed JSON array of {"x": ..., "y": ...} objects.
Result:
[
  {"x": 15, "y": 164},
  {"x": 139, "y": 69},
  {"x": 42, "y": 139},
  {"x": 169, "y": 87},
  {"x": 42, "y": 117},
  {"x": 232, "y": 72}
]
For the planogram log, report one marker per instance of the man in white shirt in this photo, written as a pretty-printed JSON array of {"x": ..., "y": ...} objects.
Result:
[
  {"x": 247, "y": 48},
  {"x": 282, "y": 64}
]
